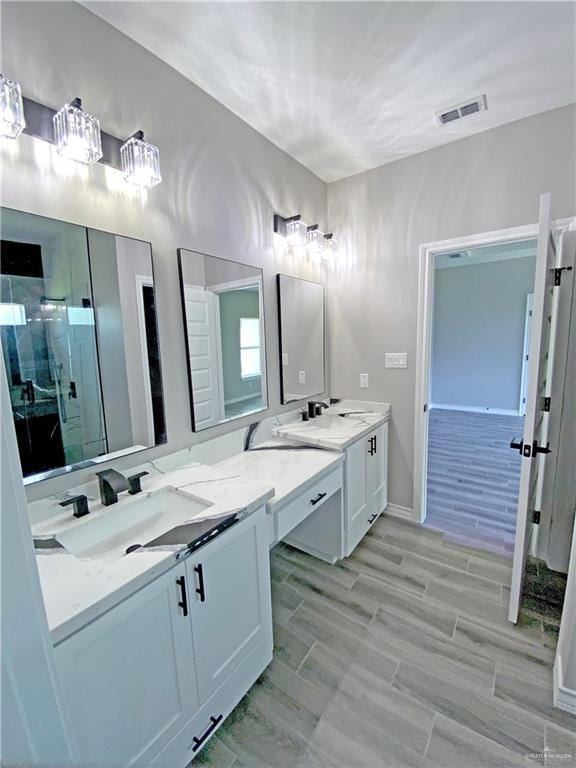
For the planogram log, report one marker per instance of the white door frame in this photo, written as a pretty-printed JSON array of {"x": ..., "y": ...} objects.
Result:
[{"x": 424, "y": 337}]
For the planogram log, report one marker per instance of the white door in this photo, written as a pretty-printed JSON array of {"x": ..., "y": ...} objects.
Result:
[
  {"x": 356, "y": 497},
  {"x": 229, "y": 598},
  {"x": 533, "y": 444},
  {"x": 203, "y": 356},
  {"x": 128, "y": 677},
  {"x": 376, "y": 470}
]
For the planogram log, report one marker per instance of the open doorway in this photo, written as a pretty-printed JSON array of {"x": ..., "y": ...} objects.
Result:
[{"x": 479, "y": 349}]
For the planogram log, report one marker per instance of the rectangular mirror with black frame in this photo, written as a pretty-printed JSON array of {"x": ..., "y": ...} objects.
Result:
[
  {"x": 223, "y": 310},
  {"x": 302, "y": 338},
  {"x": 80, "y": 343}
]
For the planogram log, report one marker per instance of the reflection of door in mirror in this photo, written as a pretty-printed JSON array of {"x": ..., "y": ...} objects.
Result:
[
  {"x": 49, "y": 342},
  {"x": 80, "y": 343},
  {"x": 301, "y": 313},
  {"x": 223, "y": 309}
]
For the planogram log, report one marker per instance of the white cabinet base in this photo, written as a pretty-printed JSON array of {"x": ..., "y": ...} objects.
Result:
[
  {"x": 321, "y": 534},
  {"x": 180, "y": 751}
]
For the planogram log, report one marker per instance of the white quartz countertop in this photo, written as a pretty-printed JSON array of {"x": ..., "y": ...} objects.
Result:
[
  {"x": 77, "y": 591},
  {"x": 287, "y": 466},
  {"x": 334, "y": 431}
]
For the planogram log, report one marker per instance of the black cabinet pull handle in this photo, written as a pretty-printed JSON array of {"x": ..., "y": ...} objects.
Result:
[
  {"x": 197, "y": 741},
  {"x": 200, "y": 588},
  {"x": 317, "y": 499},
  {"x": 375, "y": 438},
  {"x": 184, "y": 601},
  {"x": 371, "y": 449},
  {"x": 371, "y": 519}
]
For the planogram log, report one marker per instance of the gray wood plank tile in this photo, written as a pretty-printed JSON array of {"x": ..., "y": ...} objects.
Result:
[
  {"x": 430, "y": 548},
  {"x": 289, "y": 648},
  {"x": 532, "y": 695},
  {"x": 476, "y": 710},
  {"x": 353, "y": 605},
  {"x": 453, "y": 576},
  {"x": 560, "y": 746},
  {"x": 285, "y": 601}
]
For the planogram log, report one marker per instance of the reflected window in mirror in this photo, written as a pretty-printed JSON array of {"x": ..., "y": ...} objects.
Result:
[
  {"x": 302, "y": 338},
  {"x": 223, "y": 310},
  {"x": 80, "y": 343}
]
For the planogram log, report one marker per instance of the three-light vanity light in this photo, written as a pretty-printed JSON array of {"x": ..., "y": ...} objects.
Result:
[
  {"x": 77, "y": 135},
  {"x": 298, "y": 234}
]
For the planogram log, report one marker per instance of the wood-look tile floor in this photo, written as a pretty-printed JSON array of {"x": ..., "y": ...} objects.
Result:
[
  {"x": 399, "y": 656},
  {"x": 473, "y": 478}
]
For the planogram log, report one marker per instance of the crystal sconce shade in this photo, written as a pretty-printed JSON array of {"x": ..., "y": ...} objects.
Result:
[
  {"x": 330, "y": 246},
  {"x": 140, "y": 162},
  {"x": 77, "y": 134},
  {"x": 12, "y": 121},
  {"x": 314, "y": 241},
  {"x": 296, "y": 231}
]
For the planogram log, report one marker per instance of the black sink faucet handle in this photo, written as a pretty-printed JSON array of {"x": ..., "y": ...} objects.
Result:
[
  {"x": 111, "y": 484},
  {"x": 80, "y": 504},
  {"x": 134, "y": 484},
  {"x": 315, "y": 408}
]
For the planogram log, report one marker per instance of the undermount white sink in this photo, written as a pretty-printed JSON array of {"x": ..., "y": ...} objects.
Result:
[
  {"x": 135, "y": 521},
  {"x": 332, "y": 422}
]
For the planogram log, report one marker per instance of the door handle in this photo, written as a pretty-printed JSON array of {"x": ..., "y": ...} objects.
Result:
[
  {"x": 540, "y": 449},
  {"x": 517, "y": 446},
  {"x": 317, "y": 499},
  {"x": 200, "y": 588},
  {"x": 184, "y": 601}
]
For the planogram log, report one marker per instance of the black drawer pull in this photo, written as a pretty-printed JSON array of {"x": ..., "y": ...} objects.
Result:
[
  {"x": 184, "y": 602},
  {"x": 371, "y": 519},
  {"x": 197, "y": 741},
  {"x": 317, "y": 499},
  {"x": 200, "y": 588},
  {"x": 372, "y": 446}
]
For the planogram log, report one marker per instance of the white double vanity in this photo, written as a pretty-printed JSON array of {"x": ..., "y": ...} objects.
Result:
[
  {"x": 156, "y": 647},
  {"x": 156, "y": 580}
]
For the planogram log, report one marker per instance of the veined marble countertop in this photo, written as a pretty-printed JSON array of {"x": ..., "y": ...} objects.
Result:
[
  {"x": 289, "y": 469},
  {"x": 333, "y": 431},
  {"x": 77, "y": 591}
]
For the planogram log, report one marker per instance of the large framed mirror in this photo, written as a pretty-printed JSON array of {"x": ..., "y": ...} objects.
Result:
[
  {"x": 302, "y": 338},
  {"x": 223, "y": 308},
  {"x": 80, "y": 343}
]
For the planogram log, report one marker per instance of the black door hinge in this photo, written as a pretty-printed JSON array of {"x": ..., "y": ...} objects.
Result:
[
  {"x": 536, "y": 516},
  {"x": 558, "y": 274},
  {"x": 545, "y": 403}
]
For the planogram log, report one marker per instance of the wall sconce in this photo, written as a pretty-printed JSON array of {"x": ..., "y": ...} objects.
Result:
[
  {"x": 77, "y": 134},
  {"x": 12, "y": 121},
  {"x": 140, "y": 162},
  {"x": 292, "y": 228},
  {"x": 314, "y": 240},
  {"x": 330, "y": 246}
]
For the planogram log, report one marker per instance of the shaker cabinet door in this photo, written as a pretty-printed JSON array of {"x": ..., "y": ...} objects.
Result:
[
  {"x": 128, "y": 677},
  {"x": 230, "y": 607}
]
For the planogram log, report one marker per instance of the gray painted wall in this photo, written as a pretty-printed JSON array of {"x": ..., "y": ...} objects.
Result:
[
  {"x": 486, "y": 182},
  {"x": 222, "y": 181},
  {"x": 478, "y": 333}
]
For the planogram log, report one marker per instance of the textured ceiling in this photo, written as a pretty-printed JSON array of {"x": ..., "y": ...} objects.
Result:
[{"x": 347, "y": 86}]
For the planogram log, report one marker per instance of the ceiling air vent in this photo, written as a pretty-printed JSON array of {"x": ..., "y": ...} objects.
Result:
[{"x": 469, "y": 107}]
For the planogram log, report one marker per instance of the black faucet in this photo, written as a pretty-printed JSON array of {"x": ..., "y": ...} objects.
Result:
[
  {"x": 111, "y": 484},
  {"x": 80, "y": 504},
  {"x": 314, "y": 408}
]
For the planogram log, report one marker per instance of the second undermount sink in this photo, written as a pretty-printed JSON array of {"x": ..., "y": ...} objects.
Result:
[{"x": 130, "y": 523}]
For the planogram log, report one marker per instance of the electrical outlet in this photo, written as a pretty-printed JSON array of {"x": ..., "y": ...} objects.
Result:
[
  {"x": 396, "y": 360},
  {"x": 302, "y": 377},
  {"x": 364, "y": 381}
]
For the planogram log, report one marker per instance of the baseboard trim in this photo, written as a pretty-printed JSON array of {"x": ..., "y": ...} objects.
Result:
[
  {"x": 404, "y": 513},
  {"x": 474, "y": 409},
  {"x": 564, "y": 698}
]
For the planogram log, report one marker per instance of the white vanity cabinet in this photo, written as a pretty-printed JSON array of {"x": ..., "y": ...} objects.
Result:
[
  {"x": 150, "y": 680},
  {"x": 365, "y": 482},
  {"x": 229, "y": 599},
  {"x": 129, "y": 677}
]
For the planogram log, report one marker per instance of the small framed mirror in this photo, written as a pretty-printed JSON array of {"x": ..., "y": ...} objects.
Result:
[
  {"x": 223, "y": 310},
  {"x": 302, "y": 338},
  {"x": 80, "y": 343}
]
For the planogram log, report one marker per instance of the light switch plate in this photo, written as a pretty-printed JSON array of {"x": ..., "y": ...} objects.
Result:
[
  {"x": 364, "y": 381},
  {"x": 396, "y": 360},
  {"x": 302, "y": 377}
]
